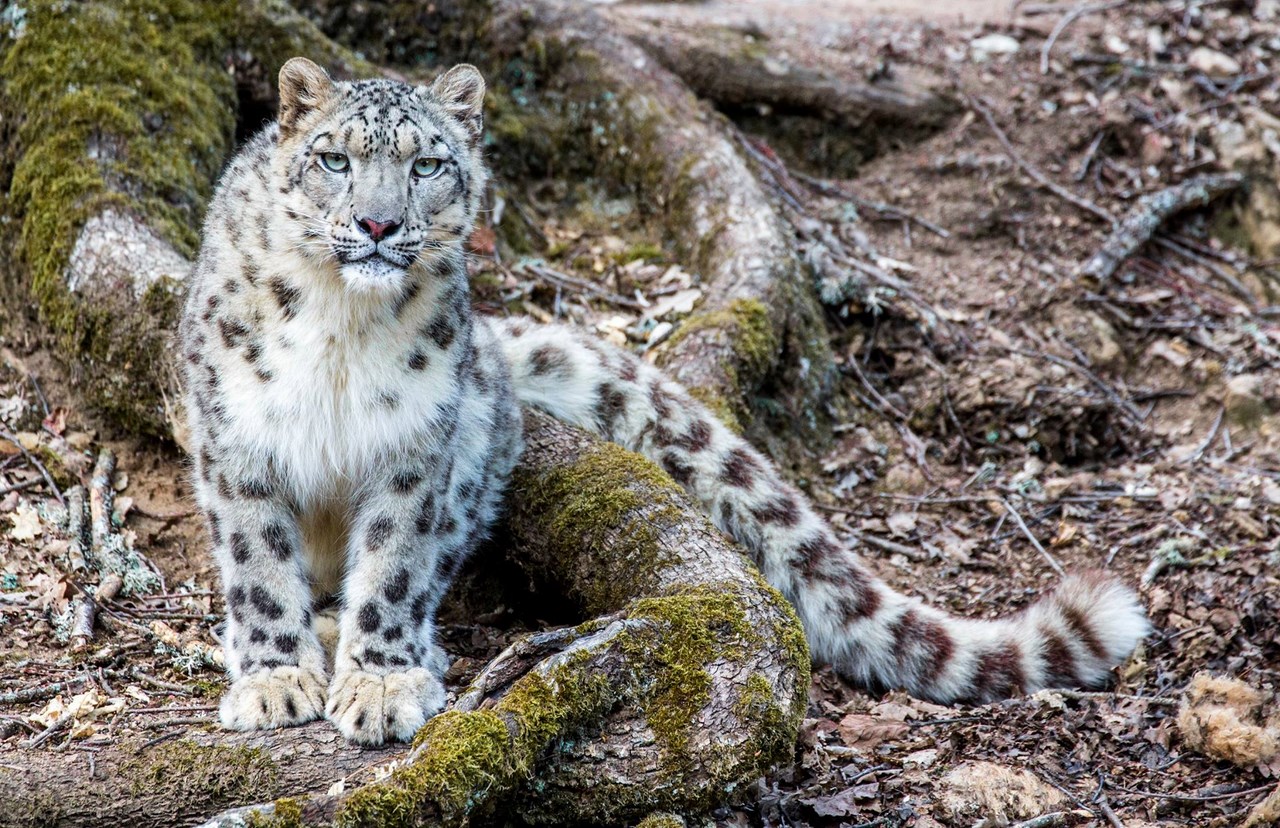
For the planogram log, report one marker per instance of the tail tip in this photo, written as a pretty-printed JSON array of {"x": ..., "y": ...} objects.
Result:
[{"x": 1107, "y": 613}]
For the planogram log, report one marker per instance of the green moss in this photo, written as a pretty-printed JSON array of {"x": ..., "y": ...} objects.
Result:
[
  {"x": 466, "y": 754},
  {"x": 637, "y": 252},
  {"x": 287, "y": 814},
  {"x": 661, "y": 821},
  {"x": 468, "y": 760},
  {"x": 696, "y": 627},
  {"x": 753, "y": 343},
  {"x": 186, "y": 770},
  {"x": 608, "y": 507},
  {"x": 121, "y": 105}
]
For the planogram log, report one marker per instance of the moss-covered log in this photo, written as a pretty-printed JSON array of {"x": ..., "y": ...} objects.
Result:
[{"x": 688, "y": 688}]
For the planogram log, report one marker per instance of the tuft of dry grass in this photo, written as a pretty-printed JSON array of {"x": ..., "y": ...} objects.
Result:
[{"x": 1222, "y": 717}]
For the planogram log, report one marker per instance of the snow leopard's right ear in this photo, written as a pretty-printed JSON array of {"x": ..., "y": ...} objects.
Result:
[{"x": 304, "y": 87}]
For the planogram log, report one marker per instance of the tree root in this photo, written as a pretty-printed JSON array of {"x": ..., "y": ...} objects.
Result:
[
  {"x": 720, "y": 66},
  {"x": 758, "y": 316},
  {"x": 690, "y": 686},
  {"x": 1149, "y": 214}
]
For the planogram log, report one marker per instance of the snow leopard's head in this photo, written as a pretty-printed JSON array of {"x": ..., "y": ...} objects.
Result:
[{"x": 376, "y": 176}]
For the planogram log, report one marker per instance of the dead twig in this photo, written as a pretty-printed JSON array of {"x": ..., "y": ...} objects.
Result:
[
  {"x": 1049, "y": 820},
  {"x": 1102, "y": 385},
  {"x": 101, "y": 496},
  {"x": 1191, "y": 255},
  {"x": 44, "y": 735},
  {"x": 36, "y": 464},
  {"x": 86, "y": 610},
  {"x": 78, "y": 526},
  {"x": 1147, "y": 216},
  {"x": 1099, "y": 695},
  {"x": 1040, "y": 178},
  {"x": 1208, "y": 441},
  {"x": 1044, "y": 553},
  {"x": 45, "y": 691},
  {"x": 885, "y": 211},
  {"x": 18, "y": 487},
  {"x": 1066, "y": 20},
  {"x": 564, "y": 280}
]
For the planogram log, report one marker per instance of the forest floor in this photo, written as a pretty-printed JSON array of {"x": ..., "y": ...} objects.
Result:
[{"x": 1016, "y": 420}]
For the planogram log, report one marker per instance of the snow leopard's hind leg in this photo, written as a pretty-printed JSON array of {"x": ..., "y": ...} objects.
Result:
[{"x": 868, "y": 632}]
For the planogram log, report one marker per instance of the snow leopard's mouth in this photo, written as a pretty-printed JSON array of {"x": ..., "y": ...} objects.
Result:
[{"x": 378, "y": 259}]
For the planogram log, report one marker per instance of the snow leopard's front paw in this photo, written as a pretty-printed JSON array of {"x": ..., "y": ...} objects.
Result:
[
  {"x": 278, "y": 697},
  {"x": 372, "y": 709}
]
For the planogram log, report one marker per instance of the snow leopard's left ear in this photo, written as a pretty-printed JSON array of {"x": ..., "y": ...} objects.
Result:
[
  {"x": 304, "y": 88},
  {"x": 461, "y": 91}
]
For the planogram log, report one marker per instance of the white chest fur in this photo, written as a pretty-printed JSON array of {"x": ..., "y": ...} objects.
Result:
[{"x": 341, "y": 396}]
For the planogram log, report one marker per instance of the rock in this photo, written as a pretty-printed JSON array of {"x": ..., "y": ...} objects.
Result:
[
  {"x": 987, "y": 46},
  {"x": 1213, "y": 63},
  {"x": 1244, "y": 399}
]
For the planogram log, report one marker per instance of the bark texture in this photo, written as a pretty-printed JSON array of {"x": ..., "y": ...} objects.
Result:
[{"x": 720, "y": 66}]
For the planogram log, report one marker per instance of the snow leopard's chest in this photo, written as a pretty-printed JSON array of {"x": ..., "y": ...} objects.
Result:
[{"x": 329, "y": 399}]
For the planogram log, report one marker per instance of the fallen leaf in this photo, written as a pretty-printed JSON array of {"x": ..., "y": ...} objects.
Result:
[
  {"x": 26, "y": 523},
  {"x": 863, "y": 731},
  {"x": 844, "y": 803}
]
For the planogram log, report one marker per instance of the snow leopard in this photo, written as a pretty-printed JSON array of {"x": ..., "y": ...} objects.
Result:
[{"x": 354, "y": 425}]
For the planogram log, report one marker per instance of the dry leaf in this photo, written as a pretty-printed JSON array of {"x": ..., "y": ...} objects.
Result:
[
  {"x": 863, "y": 731},
  {"x": 26, "y": 523}
]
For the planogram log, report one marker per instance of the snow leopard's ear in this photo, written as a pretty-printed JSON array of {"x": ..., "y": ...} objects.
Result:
[
  {"x": 304, "y": 87},
  {"x": 461, "y": 92}
]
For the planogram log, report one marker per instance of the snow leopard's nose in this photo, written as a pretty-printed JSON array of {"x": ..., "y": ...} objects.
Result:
[{"x": 377, "y": 230}]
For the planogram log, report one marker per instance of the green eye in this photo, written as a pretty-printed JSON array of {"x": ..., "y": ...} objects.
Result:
[
  {"x": 426, "y": 167},
  {"x": 334, "y": 161}
]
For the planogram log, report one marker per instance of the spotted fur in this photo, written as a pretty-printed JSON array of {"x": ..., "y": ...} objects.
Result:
[
  {"x": 868, "y": 632},
  {"x": 354, "y": 426}
]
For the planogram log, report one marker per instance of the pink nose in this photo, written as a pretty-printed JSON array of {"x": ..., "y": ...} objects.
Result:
[{"x": 377, "y": 229}]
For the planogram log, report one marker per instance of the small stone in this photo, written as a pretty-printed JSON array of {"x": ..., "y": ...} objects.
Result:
[
  {"x": 1213, "y": 63},
  {"x": 987, "y": 46},
  {"x": 1153, "y": 149},
  {"x": 1244, "y": 399}
]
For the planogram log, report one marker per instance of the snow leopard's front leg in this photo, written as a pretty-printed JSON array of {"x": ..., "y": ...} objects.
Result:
[
  {"x": 276, "y": 662},
  {"x": 407, "y": 536}
]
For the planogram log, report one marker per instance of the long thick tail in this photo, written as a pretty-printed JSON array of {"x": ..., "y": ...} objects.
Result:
[{"x": 868, "y": 632}]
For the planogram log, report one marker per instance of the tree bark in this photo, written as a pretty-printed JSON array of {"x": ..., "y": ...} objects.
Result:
[{"x": 719, "y": 65}]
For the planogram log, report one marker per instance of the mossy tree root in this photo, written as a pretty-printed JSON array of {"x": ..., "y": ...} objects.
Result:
[
  {"x": 759, "y": 316},
  {"x": 688, "y": 689},
  {"x": 689, "y": 685}
]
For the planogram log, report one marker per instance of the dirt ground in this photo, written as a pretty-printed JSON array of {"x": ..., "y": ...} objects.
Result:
[{"x": 1015, "y": 419}]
